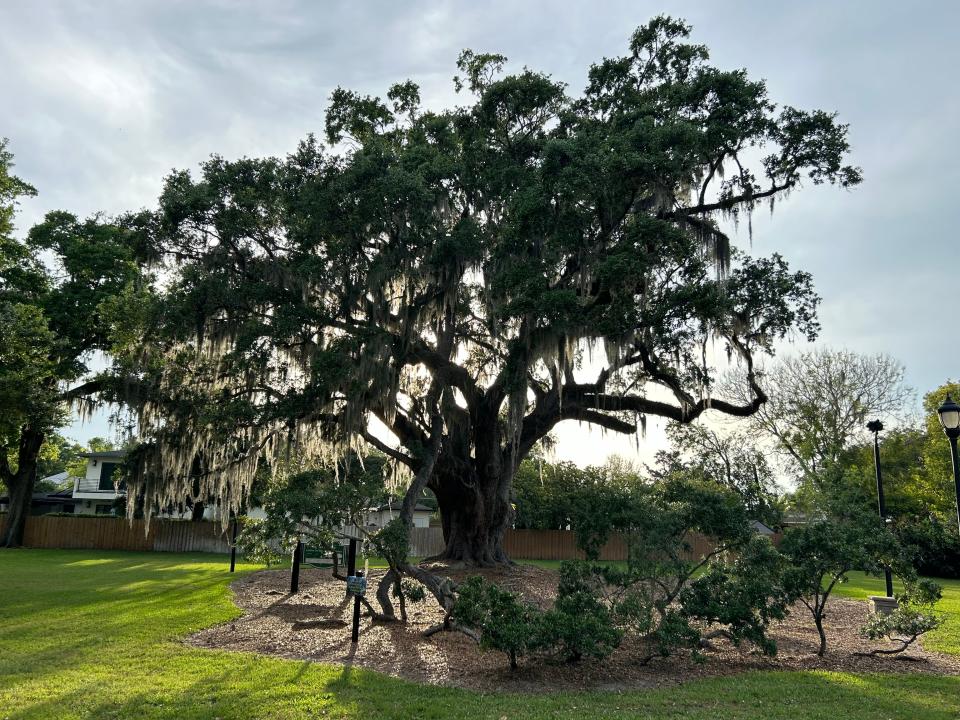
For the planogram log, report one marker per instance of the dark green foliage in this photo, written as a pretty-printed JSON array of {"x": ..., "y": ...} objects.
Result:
[
  {"x": 392, "y": 542},
  {"x": 580, "y": 623},
  {"x": 660, "y": 596},
  {"x": 413, "y": 591},
  {"x": 935, "y": 546},
  {"x": 309, "y": 505},
  {"x": 743, "y": 595},
  {"x": 504, "y": 622}
]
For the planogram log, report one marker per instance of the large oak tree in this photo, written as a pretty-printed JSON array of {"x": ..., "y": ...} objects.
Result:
[
  {"x": 55, "y": 288},
  {"x": 471, "y": 277}
]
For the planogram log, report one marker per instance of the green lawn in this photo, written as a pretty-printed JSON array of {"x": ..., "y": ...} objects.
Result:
[{"x": 86, "y": 634}]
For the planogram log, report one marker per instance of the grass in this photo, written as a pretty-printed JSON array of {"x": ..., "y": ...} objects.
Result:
[{"x": 86, "y": 634}]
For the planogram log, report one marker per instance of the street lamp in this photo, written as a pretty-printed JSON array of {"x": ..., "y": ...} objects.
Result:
[
  {"x": 875, "y": 426},
  {"x": 949, "y": 414}
]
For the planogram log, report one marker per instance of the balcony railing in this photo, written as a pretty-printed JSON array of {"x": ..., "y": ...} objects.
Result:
[{"x": 86, "y": 485}]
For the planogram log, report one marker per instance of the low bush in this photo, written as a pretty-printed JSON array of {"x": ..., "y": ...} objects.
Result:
[
  {"x": 742, "y": 596},
  {"x": 580, "y": 623},
  {"x": 914, "y": 617},
  {"x": 503, "y": 621}
]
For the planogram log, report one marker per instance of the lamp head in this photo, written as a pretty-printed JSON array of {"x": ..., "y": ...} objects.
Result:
[{"x": 949, "y": 414}]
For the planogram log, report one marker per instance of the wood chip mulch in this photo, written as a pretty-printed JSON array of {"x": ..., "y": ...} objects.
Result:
[{"x": 273, "y": 624}]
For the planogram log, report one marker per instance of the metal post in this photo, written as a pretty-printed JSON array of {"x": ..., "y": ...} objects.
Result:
[
  {"x": 352, "y": 558},
  {"x": 233, "y": 546},
  {"x": 295, "y": 574},
  {"x": 956, "y": 474},
  {"x": 355, "y": 633},
  {"x": 881, "y": 502}
]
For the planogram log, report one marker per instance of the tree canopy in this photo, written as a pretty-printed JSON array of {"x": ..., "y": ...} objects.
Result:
[
  {"x": 55, "y": 287},
  {"x": 471, "y": 277}
]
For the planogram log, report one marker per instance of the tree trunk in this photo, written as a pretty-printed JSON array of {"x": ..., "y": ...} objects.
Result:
[
  {"x": 818, "y": 620},
  {"x": 475, "y": 515},
  {"x": 21, "y": 492},
  {"x": 21, "y": 484}
]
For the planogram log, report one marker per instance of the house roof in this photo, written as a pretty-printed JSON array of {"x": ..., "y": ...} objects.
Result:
[
  {"x": 57, "y": 479},
  {"x": 761, "y": 528},
  {"x": 118, "y": 454},
  {"x": 54, "y": 498}
]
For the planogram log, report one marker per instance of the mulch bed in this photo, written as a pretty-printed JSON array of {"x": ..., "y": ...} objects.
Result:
[{"x": 269, "y": 625}]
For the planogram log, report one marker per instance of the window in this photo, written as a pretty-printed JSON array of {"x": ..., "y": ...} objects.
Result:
[
  {"x": 103, "y": 509},
  {"x": 106, "y": 475}
]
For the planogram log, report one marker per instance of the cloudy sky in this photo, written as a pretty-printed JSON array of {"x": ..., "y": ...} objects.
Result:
[{"x": 101, "y": 99}]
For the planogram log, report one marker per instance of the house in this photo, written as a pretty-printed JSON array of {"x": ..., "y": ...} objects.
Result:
[
  {"x": 379, "y": 516},
  {"x": 92, "y": 494},
  {"x": 95, "y": 493}
]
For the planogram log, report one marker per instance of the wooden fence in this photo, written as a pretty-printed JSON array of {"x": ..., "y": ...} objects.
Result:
[
  {"x": 109, "y": 533},
  {"x": 543, "y": 545}
]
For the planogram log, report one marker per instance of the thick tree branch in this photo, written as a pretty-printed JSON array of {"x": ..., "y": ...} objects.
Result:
[{"x": 387, "y": 450}]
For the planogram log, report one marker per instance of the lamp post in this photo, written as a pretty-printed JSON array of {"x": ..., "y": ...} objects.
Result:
[
  {"x": 949, "y": 414},
  {"x": 875, "y": 426}
]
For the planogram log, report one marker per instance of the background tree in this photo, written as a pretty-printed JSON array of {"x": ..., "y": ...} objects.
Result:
[
  {"x": 918, "y": 484},
  {"x": 728, "y": 457},
  {"x": 820, "y": 401},
  {"x": 546, "y": 494},
  {"x": 533, "y": 256},
  {"x": 52, "y": 286},
  {"x": 938, "y": 470}
]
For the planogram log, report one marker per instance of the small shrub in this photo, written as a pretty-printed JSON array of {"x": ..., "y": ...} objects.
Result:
[
  {"x": 580, "y": 622},
  {"x": 392, "y": 542},
  {"x": 743, "y": 596},
  {"x": 413, "y": 591},
  {"x": 503, "y": 620},
  {"x": 907, "y": 623},
  {"x": 904, "y": 625},
  {"x": 256, "y": 543}
]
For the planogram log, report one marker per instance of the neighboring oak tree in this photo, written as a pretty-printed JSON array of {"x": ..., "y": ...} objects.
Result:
[
  {"x": 52, "y": 288},
  {"x": 528, "y": 258}
]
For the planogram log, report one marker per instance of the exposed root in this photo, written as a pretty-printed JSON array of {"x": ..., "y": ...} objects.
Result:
[
  {"x": 375, "y": 615},
  {"x": 449, "y": 625}
]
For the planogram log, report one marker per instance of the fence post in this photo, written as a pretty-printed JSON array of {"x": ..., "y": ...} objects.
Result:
[
  {"x": 355, "y": 632},
  {"x": 233, "y": 545},
  {"x": 295, "y": 574}
]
